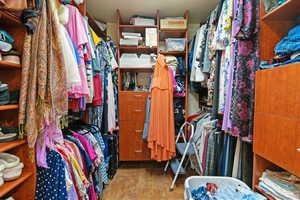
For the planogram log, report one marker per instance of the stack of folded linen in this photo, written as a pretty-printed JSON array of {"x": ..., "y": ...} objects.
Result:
[
  {"x": 280, "y": 185},
  {"x": 287, "y": 51},
  {"x": 131, "y": 39}
]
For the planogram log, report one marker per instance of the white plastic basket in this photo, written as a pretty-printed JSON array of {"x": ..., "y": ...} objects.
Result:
[{"x": 194, "y": 182}]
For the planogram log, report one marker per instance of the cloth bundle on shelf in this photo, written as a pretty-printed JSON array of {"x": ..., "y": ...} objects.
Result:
[
  {"x": 4, "y": 94},
  {"x": 280, "y": 185},
  {"x": 287, "y": 50}
]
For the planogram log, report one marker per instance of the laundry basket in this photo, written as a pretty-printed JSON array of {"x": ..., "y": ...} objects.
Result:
[{"x": 194, "y": 182}]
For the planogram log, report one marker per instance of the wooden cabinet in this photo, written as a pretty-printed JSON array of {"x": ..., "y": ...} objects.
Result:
[
  {"x": 133, "y": 99},
  {"x": 133, "y": 106},
  {"x": 277, "y": 120},
  {"x": 132, "y": 118},
  {"x": 132, "y": 103},
  {"x": 132, "y": 147},
  {"x": 277, "y": 100},
  {"x": 10, "y": 73}
]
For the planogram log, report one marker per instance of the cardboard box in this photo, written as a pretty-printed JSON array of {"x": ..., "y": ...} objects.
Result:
[{"x": 173, "y": 24}]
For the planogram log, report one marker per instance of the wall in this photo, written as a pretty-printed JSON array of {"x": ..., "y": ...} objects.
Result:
[
  {"x": 112, "y": 31},
  {"x": 192, "y": 29}
]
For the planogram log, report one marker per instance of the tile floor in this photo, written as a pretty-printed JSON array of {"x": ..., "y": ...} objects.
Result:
[{"x": 143, "y": 181}]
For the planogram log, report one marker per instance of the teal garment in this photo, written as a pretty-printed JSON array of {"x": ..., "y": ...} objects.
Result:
[{"x": 147, "y": 121}]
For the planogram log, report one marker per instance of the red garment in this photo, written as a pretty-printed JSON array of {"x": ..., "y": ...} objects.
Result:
[
  {"x": 92, "y": 193},
  {"x": 97, "y": 101},
  {"x": 74, "y": 104}
]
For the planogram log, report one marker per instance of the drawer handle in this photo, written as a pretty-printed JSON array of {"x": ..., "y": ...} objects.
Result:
[
  {"x": 138, "y": 131},
  {"x": 138, "y": 110},
  {"x": 298, "y": 149},
  {"x": 138, "y": 95},
  {"x": 138, "y": 151}
]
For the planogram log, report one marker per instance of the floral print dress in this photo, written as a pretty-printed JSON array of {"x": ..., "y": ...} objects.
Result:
[{"x": 246, "y": 62}]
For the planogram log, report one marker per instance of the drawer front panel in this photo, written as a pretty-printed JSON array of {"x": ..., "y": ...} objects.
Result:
[
  {"x": 132, "y": 147},
  {"x": 133, "y": 106}
]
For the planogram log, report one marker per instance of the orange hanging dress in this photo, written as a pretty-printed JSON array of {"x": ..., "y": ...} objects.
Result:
[{"x": 161, "y": 135}]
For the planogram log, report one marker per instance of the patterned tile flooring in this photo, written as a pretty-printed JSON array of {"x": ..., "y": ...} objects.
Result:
[{"x": 143, "y": 181}]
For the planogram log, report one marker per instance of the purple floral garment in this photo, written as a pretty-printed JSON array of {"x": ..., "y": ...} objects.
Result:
[{"x": 246, "y": 55}]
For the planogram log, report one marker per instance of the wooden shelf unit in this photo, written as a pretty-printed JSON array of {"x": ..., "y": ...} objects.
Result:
[
  {"x": 179, "y": 33},
  {"x": 131, "y": 121},
  {"x": 276, "y": 139},
  {"x": 10, "y": 73},
  {"x": 132, "y": 104}
]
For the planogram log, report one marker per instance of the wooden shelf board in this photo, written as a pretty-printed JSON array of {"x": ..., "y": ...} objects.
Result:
[
  {"x": 173, "y": 30},
  {"x": 5, "y": 64},
  {"x": 172, "y": 52},
  {"x": 5, "y": 146},
  {"x": 179, "y": 97},
  {"x": 137, "y": 48},
  {"x": 287, "y": 11},
  {"x": 135, "y": 68},
  {"x": 9, "y": 107},
  {"x": 9, "y": 19},
  {"x": 179, "y": 75},
  {"x": 268, "y": 196},
  {"x": 130, "y": 92},
  {"x": 134, "y": 26},
  {"x": 10, "y": 185}
]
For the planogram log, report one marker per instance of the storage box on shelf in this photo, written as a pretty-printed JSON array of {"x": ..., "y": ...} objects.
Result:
[
  {"x": 276, "y": 120},
  {"x": 10, "y": 73}
]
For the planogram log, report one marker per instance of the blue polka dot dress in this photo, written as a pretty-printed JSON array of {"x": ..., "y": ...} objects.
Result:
[{"x": 51, "y": 182}]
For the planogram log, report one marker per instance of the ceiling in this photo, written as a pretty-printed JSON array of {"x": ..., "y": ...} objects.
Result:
[{"x": 105, "y": 10}]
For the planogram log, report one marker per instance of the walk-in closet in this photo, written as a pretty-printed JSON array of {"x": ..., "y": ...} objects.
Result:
[{"x": 149, "y": 100}]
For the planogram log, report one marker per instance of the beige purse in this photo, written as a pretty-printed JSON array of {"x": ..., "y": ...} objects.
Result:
[{"x": 13, "y": 4}]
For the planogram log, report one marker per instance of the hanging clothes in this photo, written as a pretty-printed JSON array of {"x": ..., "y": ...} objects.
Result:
[
  {"x": 246, "y": 32},
  {"x": 51, "y": 182},
  {"x": 43, "y": 98},
  {"x": 161, "y": 135}
]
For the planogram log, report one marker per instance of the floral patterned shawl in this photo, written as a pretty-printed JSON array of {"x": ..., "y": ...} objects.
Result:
[{"x": 43, "y": 98}]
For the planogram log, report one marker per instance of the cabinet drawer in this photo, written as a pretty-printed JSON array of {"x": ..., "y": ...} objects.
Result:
[
  {"x": 275, "y": 138},
  {"x": 133, "y": 97},
  {"x": 133, "y": 105},
  {"x": 132, "y": 147}
]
